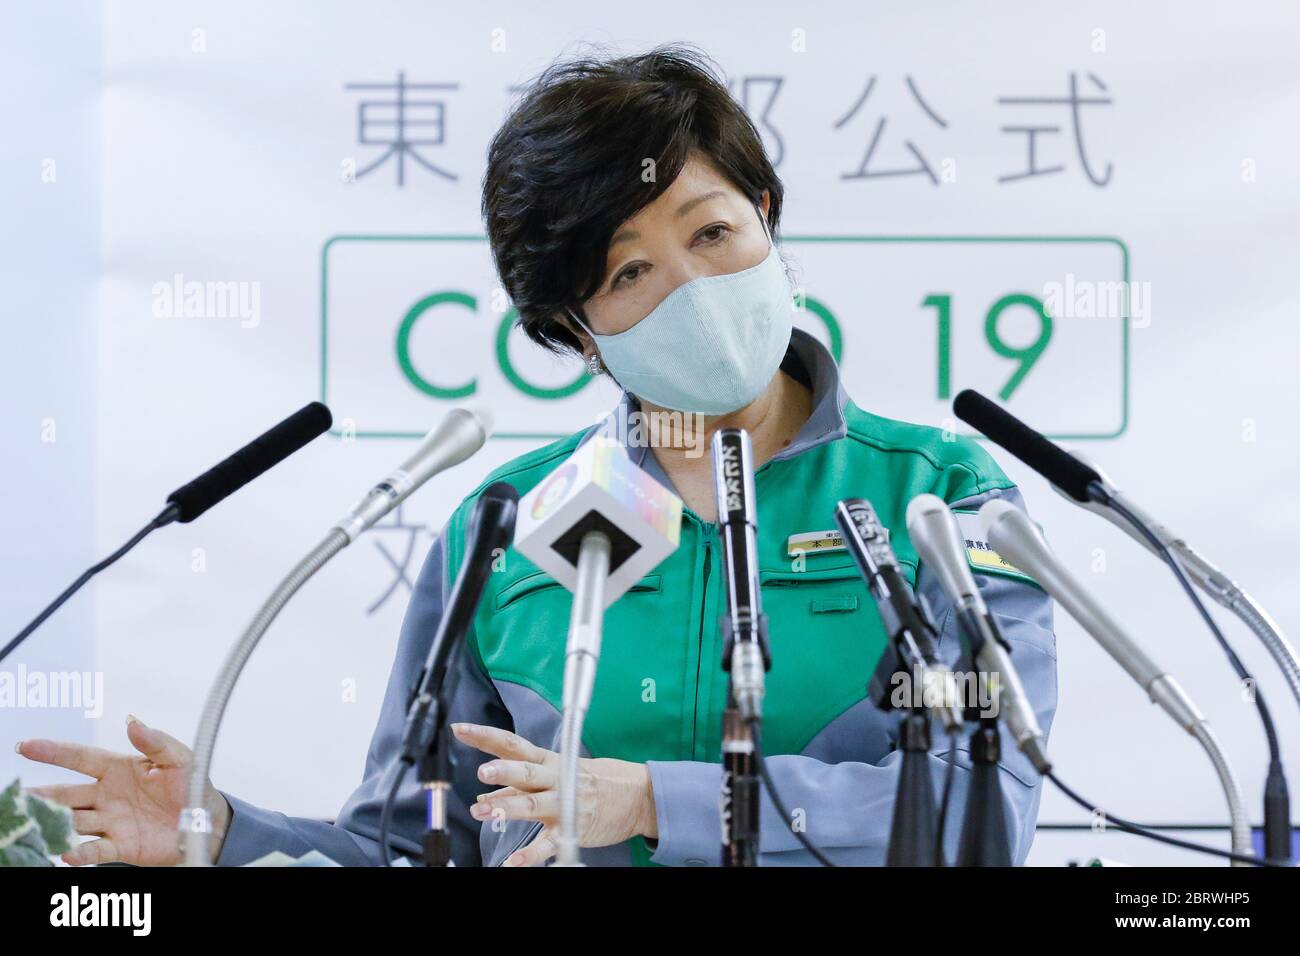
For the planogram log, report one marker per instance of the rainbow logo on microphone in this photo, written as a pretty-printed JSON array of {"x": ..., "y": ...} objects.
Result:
[
  {"x": 635, "y": 490},
  {"x": 554, "y": 489}
]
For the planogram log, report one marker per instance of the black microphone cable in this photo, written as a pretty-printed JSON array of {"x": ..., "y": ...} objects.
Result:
[
  {"x": 770, "y": 785},
  {"x": 165, "y": 517},
  {"x": 214, "y": 485},
  {"x": 386, "y": 815},
  {"x": 1277, "y": 815},
  {"x": 1139, "y": 830},
  {"x": 756, "y": 731},
  {"x": 1168, "y": 557}
]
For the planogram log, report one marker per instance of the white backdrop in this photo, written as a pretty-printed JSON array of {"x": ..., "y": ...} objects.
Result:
[{"x": 229, "y": 152}]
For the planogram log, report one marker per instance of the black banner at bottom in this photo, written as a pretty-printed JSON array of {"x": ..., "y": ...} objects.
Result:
[{"x": 333, "y": 906}]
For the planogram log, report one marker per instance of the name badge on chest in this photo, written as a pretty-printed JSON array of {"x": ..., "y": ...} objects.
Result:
[{"x": 814, "y": 542}]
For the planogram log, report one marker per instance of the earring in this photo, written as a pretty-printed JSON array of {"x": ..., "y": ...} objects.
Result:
[{"x": 594, "y": 366}]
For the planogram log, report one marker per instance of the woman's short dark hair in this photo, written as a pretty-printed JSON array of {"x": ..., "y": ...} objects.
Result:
[{"x": 567, "y": 168}]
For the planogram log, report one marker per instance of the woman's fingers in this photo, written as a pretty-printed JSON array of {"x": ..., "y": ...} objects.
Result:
[
  {"x": 504, "y": 791},
  {"x": 92, "y": 761},
  {"x": 536, "y": 853},
  {"x": 495, "y": 819},
  {"x": 90, "y": 822},
  {"x": 518, "y": 806},
  {"x": 78, "y": 796},
  {"x": 92, "y": 852},
  {"x": 520, "y": 774},
  {"x": 161, "y": 748},
  {"x": 499, "y": 743}
]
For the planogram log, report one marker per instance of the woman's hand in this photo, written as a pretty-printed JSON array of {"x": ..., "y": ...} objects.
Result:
[
  {"x": 615, "y": 798},
  {"x": 135, "y": 803}
]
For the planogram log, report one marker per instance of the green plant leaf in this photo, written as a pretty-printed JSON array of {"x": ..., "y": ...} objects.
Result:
[
  {"x": 55, "y": 822},
  {"x": 19, "y": 854},
  {"x": 15, "y": 820}
]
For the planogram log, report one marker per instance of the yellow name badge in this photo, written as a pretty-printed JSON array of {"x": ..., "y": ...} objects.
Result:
[
  {"x": 980, "y": 553},
  {"x": 814, "y": 542}
]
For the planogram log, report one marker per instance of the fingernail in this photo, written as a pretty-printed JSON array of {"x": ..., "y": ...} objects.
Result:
[
  {"x": 479, "y": 811},
  {"x": 18, "y": 747},
  {"x": 132, "y": 719},
  {"x": 459, "y": 728},
  {"x": 487, "y": 772},
  {"x": 512, "y": 861}
]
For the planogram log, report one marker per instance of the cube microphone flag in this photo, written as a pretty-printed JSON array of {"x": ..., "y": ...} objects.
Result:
[{"x": 599, "y": 489}]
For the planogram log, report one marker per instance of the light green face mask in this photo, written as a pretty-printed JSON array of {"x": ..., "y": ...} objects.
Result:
[{"x": 711, "y": 346}]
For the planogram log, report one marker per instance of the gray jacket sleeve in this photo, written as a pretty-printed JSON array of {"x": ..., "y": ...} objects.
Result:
[
  {"x": 354, "y": 839},
  {"x": 845, "y": 808}
]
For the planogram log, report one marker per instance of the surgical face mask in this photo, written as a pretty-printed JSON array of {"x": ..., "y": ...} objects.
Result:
[{"x": 711, "y": 346}]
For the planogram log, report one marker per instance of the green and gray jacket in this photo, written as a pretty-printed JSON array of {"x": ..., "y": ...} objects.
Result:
[{"x": 660, "y": 688}]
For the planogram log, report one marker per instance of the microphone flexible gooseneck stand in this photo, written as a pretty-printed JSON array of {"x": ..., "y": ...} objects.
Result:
[{"x": 586, "y": 625}]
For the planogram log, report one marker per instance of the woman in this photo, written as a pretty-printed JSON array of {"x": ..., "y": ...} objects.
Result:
[{"x": 632, "y": 214}]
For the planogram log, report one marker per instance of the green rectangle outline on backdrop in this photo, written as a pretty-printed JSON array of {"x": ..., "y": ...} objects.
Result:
[{"x": 1118, "y": 243}]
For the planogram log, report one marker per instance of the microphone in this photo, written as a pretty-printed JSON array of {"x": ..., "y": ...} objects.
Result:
[
  {"x": 1041, "y": 454},
  {"x": 452, "y": 441},
  {"x": 911, "y": 630},
  {"x": 1018, "y": 539},
  {"x": 745, "y": 625},
  {"x": 940, "y": 544},
  {"x": 915, "y": 837},
  {"x": 491, "y": 526},
  {"x": 1214, "y": 582},
  {"x": 260, "y": 455},
  {"x": 458, "y": 436},
  {"x": 745, "y": 654},
  {"x": 597, "y": 525},
  {"x": 424, "y": 740},
  {"x": 218, "y": 482}
]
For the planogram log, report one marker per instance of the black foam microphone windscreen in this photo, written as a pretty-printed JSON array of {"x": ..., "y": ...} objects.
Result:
[
  {"x": 1038, "y": 452},
  {"x": 262, "y": 453}
]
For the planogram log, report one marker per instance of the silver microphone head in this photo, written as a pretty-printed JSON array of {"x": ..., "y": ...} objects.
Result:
[
  {"x": 939, "y": 543},
  {"x": 454, "y": 439},
  {"x": 1007, "y": 527}
]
